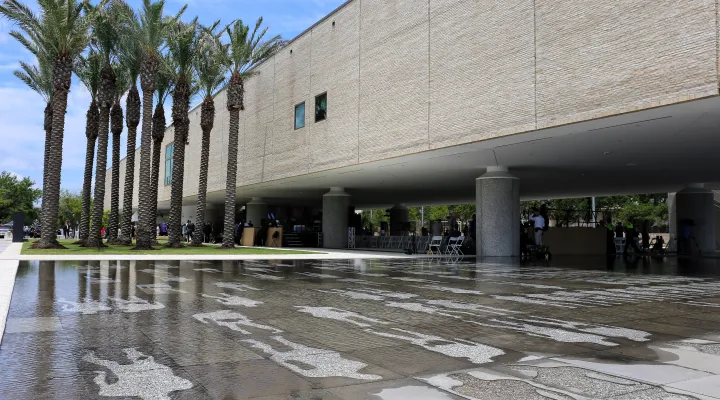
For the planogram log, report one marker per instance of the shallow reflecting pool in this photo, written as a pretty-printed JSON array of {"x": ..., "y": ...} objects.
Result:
[{"x": 363, "y": 329}]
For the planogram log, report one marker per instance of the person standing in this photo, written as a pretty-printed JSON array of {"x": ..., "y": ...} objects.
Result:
[
  {"x": 539, "y": 226},
  {"x": 189, "y": 230},
  {"x": 436, "y": 228}
]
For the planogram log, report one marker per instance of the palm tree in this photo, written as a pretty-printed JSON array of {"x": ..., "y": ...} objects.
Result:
[
  {"x": 105, "y": 38},
  {"x": 60, "y": 33},
  {"x": 131, "y": 57},
  {"x": 246, "y": 52},
  {"x": 39, "y": 79},
  {"x": 164, "y": 86},
  {"x": 88, "y": 70},
  {"x": 152, "y": 32},
  {"x": 122, "y": 84},
  {"x": 210, "y": 66},
  {"x": 182, "y": 48}
]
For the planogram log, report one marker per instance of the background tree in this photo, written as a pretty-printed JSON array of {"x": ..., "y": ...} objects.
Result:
[
  {"x": 246, "y": 51},
  {"x": 183, "y": 49},
  {"x": 17, "y": 194},
  {"x": 153, "y": 29},
  {"x": 131, "y": 58},
  {"x": 210, "y": 65},
  {"x": 105, "y": 38},
  {"x": 60, "y": 34},
  {"x": 88, "y": 71},
  {"x": 70, "y": 211},
  {"x": 164, "y": 87},
  {"x": 122, "y": 84}
]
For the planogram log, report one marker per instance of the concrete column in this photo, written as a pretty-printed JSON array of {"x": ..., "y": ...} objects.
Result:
[
  {"x": 497, "y": 206},
  {"x": 399, "y": 215},
  {"x": 256, "y": 211},
  {"x": 672, "y": 215},
  {"x": 698, "y": 204},
  {"x": 188, "y": 213},
  {"x": 336, "y": 205}
]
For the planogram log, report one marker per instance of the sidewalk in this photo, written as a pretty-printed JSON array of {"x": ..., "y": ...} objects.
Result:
[{"x": 11, "y": 251}]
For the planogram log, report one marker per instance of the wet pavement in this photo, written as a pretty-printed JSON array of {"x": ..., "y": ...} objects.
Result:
[{"x": 363, "y": 329}]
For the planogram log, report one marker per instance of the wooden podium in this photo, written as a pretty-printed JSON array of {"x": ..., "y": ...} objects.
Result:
[
  {"x": 269, "y": 242},
  {"x": 248, "y": 237}
]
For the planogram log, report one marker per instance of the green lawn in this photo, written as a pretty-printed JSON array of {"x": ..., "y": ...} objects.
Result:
[{"x": 73, "y": 249}]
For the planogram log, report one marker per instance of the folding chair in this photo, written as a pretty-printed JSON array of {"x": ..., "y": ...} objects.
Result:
[
  {"x": 449, "y": 248},
  {"x": 456, "y": 248},
  {"x": 435, "y": 244}
]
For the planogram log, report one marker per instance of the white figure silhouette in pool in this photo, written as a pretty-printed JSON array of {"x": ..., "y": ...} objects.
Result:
[{"x": 143, "y": 378}]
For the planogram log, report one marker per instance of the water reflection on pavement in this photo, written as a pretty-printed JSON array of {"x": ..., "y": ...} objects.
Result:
[{"x": 363, "y": 329}]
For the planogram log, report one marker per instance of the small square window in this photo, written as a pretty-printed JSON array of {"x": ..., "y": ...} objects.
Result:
[
  {"x": 300, "y": 116},
  {"x": 320, "y": 107}
]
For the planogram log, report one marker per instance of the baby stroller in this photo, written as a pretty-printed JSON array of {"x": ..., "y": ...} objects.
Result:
[{"x": 529, "y": 251}]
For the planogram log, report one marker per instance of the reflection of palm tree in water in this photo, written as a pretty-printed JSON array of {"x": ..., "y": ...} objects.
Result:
[{"x": 143, "y": 378}]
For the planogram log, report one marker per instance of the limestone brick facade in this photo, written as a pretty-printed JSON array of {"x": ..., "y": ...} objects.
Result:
[{"x": 407, "y": 76}]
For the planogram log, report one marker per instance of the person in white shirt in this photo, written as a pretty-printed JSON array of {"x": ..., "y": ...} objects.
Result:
[{"x": 539, "y": 226}]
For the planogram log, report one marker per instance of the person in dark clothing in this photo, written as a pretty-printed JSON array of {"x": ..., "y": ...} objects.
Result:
[
  {"x": 262, "y": 233},
  {"x": 646, "y": 235},
  {"x": 619, "y": 230},
  {"x": 631, "y": 238},
  {"x": 207, "y": 233}
]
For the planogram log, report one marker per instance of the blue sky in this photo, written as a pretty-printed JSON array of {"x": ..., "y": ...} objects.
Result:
[{"x": 21, "y": 110}]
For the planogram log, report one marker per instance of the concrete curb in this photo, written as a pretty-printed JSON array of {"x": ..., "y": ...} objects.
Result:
[{"x": 8, "y": 271}]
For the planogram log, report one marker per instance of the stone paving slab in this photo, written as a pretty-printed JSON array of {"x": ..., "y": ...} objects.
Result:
[{"x": 358, "y": 329}]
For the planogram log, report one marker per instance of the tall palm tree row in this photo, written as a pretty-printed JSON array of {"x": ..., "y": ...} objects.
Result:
[
  {"x": 104, "y": 41},
  {"x": 182, "y": 48},
  {"x": 131, "y": 57},
  {"x": 88, "y": 70},
  {"x": 60, "y": 34},
  {"x": 246, "y": 51},
  {"x": 122, "y": 83},
  {"x": 164, "y": 87},
  {"x": 211, "y": 64},
  {"x": 152, "y": 32}
]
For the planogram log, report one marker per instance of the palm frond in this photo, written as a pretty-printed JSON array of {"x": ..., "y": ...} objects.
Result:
[
  {"x": 165, "y": 82},
  {"x": 122, "y": 81},
  {"x": 129, "y": 47},
  {"x": 88, "y": 70},
  {"x": 246, "y": 49},
  {"x": 60, "y": 29},
  {"x": 37, "y": 78},
  {"x": 182, "y": 44},
  {"x": 212, "y": 61},
  {"x": 104, "y": 31}
]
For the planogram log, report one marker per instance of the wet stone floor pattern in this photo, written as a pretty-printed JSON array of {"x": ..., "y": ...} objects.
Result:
[{"x": 351, "y": 329}]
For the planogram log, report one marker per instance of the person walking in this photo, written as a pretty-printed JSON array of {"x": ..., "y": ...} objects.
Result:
[{"x": 189, "y": 230}]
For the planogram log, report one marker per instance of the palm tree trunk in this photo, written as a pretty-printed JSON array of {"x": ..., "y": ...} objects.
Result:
[
  {"x": 207, "y": 118},
  {"x": 117, "y": 126},
  {"x": 62, "y": 73},
  {"x": 158, "y": 136},
  {"x": 181, "y": 100},
  {"x": 48, "y": 146},
  {"x": 105, "y": 98},
  {"x": 146, "y": 221},
  {"x": 132, "y": 111},
  {"x": 234, "y": 105},
  {"x": 48, "y": 139},
  {"x": 91, "y": 131}
]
